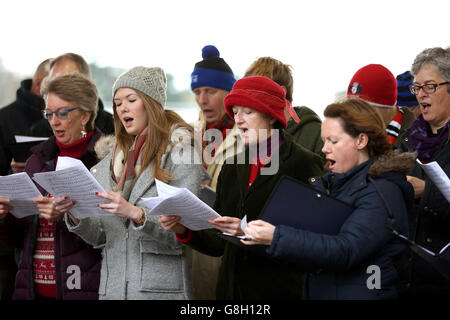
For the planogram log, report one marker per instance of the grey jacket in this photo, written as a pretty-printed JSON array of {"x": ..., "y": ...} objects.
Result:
[{"x": 142, "y": 262}]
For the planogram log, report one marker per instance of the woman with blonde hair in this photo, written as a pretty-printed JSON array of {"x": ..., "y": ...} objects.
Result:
[
  {"x": 49, "y": 251},
  {"x": 140, "y": 259}
]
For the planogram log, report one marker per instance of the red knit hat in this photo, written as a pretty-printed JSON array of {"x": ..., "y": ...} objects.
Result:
[
  {"x": 375, "y": 84},
  {"x": 262, "y": 94}
]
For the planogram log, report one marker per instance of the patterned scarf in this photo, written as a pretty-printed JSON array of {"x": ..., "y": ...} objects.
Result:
[
  {"x": 127, "y": 171},
  {"x": 423, "y": 141},
  {"x": 393, "y": 129}
]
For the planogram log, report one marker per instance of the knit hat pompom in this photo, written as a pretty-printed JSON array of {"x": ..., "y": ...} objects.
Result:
[
  {"x": 212, "y": 71},
  {"x": 209, "y": 51},
  {"x": 375, "y": 84},
  {"x": 151, "y": 81},
  {"x": 258, "y": 93}
]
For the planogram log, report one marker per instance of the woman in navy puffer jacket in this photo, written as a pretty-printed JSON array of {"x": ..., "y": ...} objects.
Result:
[{"x": 347, "y": 265}]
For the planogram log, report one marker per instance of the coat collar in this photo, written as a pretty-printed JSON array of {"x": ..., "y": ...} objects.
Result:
[{"x": 243, "y": 171}]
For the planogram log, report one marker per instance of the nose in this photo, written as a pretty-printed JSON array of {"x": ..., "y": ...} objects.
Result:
[
  {"x": 422, "y": 93},
  {"x": 53, "y": 120},
  {"x": 238, "y": 117},
  {"x": 202, "y": 99},
  {"x": 325, "y": 148},
  {"x": 122, "y": 108}
]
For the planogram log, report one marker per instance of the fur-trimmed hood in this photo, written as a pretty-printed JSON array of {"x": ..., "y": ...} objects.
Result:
[
  {"x": 179, "y": 137},
  {"x": 393, "y": 161}
]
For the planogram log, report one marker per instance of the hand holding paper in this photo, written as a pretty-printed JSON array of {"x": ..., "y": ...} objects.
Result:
[
  {"x": 74, "y": 180},
  {"x": 181, "y": 202},
  {"x": 438, "y": 176},
  {"x": 21, "y": 191}
]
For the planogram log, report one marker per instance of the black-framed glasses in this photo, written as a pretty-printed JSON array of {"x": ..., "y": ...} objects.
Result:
[
  {"x": 427, "y": 88},
  {"x": 61, "y": 113}
]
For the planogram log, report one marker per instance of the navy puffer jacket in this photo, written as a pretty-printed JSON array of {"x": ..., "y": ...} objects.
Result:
[{"x": 340, "y": 265}]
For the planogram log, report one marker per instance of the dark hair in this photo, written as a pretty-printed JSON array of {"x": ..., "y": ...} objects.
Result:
[{"x": 357, "y": 116}]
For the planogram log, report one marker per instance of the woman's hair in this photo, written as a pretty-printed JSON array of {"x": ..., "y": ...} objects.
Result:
[
  {"x": 357, "y": 116},
  {"x": 273, "y": 69},
  {"x": 76, "y": 89},
  {"x": 160, "y": 124},
  {"x": 437, "y": 57}
]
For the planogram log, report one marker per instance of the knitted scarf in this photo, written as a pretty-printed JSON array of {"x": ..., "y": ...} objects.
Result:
[
  {"x": 423, "y": 141},
  {"x": 127, "y": 171},
  {"x": 393, "y": 129}
]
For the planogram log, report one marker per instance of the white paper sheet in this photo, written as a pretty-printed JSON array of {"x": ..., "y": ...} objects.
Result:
[
  {"x": 71, "y": 178},
  {"x": 20, "y": 139},
  {"x": 171, "y": 200},
  {"x": 438, "y": 176},
  {"x": 21, "y": 191}
]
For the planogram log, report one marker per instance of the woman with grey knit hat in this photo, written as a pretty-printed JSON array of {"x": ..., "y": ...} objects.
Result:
[{"x": 140, "y": 259}]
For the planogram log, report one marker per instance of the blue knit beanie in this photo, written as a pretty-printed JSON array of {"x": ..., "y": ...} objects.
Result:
[
  {"x": 404, "y": 96},
  {"x": 212, "y": 71}
]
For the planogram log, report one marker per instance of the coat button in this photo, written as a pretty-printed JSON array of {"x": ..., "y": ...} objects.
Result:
[
  {"x": 429, "y": 240},
  {"x": 406, "y": 139},
  {"x": 94, "y": 170},
  {"x": 426, "y": 209},
  {"x": 313, "y": 179}
]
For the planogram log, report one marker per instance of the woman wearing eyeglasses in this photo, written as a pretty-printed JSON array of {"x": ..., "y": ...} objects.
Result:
[
  {"x": 429, "y": 137},
  {"x": 52, "y": 257}
]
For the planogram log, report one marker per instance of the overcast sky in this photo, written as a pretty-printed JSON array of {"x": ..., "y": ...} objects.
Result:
[{"x": 324, "y": 41}]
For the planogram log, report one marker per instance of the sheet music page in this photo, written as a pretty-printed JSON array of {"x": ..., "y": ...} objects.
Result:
[
  {"x": 21, "y": 191},
  {"x": 78, "y": 184},
  {"x": 194, "y": 213},
  {"x": 20, "y": 139},
  {"x": 438, "y": 176}
]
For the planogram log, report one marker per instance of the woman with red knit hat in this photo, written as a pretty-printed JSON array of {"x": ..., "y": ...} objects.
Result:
[{"x": 257, "y": 105}]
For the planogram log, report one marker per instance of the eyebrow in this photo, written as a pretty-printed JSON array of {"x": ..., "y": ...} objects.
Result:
[
  {"x": 127, "y": 96},
  {"x": 64, "y": 107}
]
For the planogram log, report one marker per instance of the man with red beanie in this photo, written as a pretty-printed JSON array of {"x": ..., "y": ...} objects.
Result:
[
  {"x": 376, "y": 85},
  {"x": 257, "y": 106}
]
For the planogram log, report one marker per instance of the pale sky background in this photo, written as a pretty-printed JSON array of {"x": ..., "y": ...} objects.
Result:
[{"x": 325, "y": 42}]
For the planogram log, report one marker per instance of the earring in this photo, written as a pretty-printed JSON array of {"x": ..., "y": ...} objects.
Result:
[{"x": 83, "y": 132}]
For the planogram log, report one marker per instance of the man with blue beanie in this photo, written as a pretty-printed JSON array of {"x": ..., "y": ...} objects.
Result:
[
  {"x": 407, "y": 106},
  {"x": 211, "y": 81}
]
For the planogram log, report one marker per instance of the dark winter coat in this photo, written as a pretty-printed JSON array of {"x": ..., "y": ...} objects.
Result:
[
  {"x": 340, "y": 264},
  {"x": 16, "y": 119},
  {"x": 307, "y": 132},
  {"x": 69, "y": 248},
  {"x": 429, "y": 223},
  {"x": 244, "y": 274}
]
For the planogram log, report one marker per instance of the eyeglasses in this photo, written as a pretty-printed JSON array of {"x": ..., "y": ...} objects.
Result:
[
  {"x": 61, "y": 114},
  {"x": 427, "y": 88}
]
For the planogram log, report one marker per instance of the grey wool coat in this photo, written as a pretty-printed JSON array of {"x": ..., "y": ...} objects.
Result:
[{"x": 142, "y": 262}]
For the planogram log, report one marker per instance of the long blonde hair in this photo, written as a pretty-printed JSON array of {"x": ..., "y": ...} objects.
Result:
[{"x": 160, "y": 125}]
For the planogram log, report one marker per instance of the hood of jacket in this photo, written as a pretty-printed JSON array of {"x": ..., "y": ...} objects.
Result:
[
  {"x": 306, "y": 115},
  {"x": 392, "y": 167}
]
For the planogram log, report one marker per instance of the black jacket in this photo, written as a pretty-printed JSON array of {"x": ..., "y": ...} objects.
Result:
[
  {"x": 429, "y": 223},
  {"x": 244, "y": 274},
  {"x": 16, "y": 119}
]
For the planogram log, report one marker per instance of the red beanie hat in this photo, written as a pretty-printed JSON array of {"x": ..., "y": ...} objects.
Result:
[
  {"x": 375, "y": 84},
  {"x": 262, "y": 94}
]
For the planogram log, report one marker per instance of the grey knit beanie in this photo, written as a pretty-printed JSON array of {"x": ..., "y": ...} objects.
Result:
[{"x": 151, "y": 81}]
